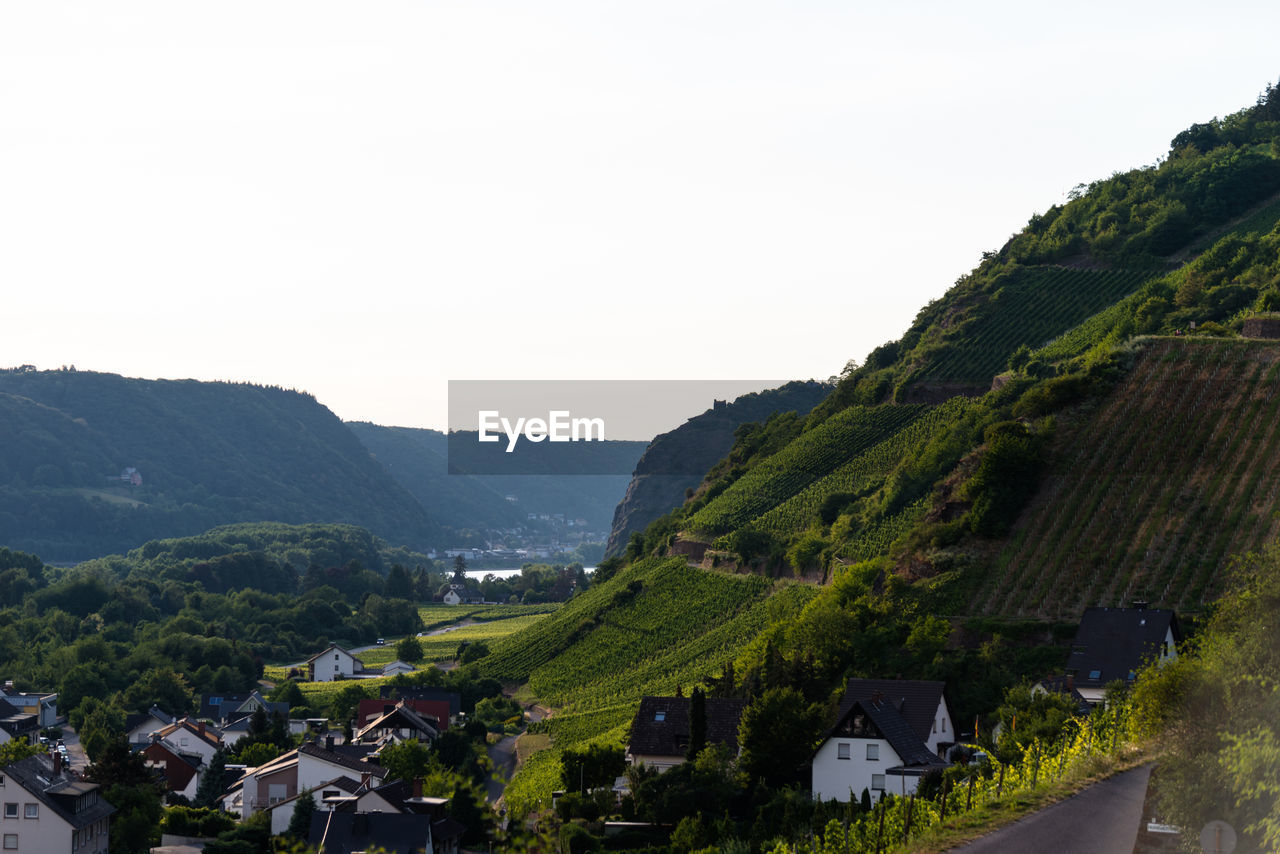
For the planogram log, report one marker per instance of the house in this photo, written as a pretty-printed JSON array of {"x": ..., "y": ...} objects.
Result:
[
  {"x": 59, "y": 811},
  {"x": 435, "y": 711},
  {"x": 227, "y": 707},
  {"x": 397, "y": 667},
  {"x": 418, "y": 692},
  {"x": 192, "y": 737},
  {"x": 888, "y": 733},
  {"x": 334, "y": 663},
  {"x": 394, "y": 833},
  {"x": 660, "y": 729},
  {"x": 400, "y": 724},
  {"x": 1059, "y": 685},
  {"x": 308, "y": 767},
  {"x": 327, "y": 795},
  {"x": 1115, "y": 643},
  {"x": 139, "y": 725},
  {"x": 16, "y": 725},
  {"x": 43, "y": 706},
  {"x": 462, "y": 594},
  {"x": 181, "y": 771}
]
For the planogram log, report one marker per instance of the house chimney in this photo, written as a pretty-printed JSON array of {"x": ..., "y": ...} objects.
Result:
[
  {"x": 417, "y": 787},
  {"x": 200, "y": 727},
  {"x": 1071, "y": 681},
  {"x": 328, "y": 742},
  {"x": 57, "y": 763}
]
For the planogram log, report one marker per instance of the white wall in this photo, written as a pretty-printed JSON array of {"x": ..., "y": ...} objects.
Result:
[
  {"x": 836, "y": 778},
  {"x": 333, "y": 662},
  {"x": 944, "y": 728}
]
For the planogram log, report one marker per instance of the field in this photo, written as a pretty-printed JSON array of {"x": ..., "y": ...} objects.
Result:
[
  {"x": 811, "y": 457},
  {"x": 1036, "y": 305},
  {"x": 657, "y": 627},
  {"x": 443, "y": 647},
  {"x": 437, "y": 614},
  {"x": 1175, "y": 473}
]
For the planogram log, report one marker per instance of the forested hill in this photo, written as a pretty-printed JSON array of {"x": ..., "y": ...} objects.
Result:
[
  {"x": 418, "y": 460},
  {"x": 1076, "y": 422},
  {"x": 95, "y": 463}
]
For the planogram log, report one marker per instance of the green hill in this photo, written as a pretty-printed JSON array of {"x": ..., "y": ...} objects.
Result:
[{"x": 204, "y": 454}]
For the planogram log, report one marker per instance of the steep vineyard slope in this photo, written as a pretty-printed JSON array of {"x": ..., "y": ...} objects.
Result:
[{"x": 1178, "y": 470}]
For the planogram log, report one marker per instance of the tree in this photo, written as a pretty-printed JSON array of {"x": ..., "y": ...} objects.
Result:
[
  {"x": 594, "y": 766},
  {"x": 777, "y": 733},
  {"x": 459, "y": 565},
  {"x": 159, "y": 686},
  {"x": 697, "y": 723},
  {"x": 135, "y": 791},
  {"x": 210, "y": 788},
  {"x": 15, "y": 751},
  {"x": 408, "y": 760},
  {"x": 409, "y": 649},
  {"x": 303, "y": 808},
  {"x": 398, "y": 584}
]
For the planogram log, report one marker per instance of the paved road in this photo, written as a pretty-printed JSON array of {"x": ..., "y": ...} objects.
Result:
[
  {"x": 1102, "y": 819},
  {"x": 503, "y": 755}
]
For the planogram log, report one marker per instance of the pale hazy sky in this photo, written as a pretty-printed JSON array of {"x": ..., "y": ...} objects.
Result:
[{"x": 365, "y": 200}]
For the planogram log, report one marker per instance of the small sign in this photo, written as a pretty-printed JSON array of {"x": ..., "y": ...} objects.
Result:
[{"x": 1157, "y": 827}]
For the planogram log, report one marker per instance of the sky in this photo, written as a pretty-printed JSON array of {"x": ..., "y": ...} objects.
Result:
[{"x": 368, "y": 200}]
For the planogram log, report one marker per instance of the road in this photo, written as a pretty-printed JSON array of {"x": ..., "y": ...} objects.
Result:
[
  {"x": 1102, "y": 819},
  {"x": 503, "y": 756}
]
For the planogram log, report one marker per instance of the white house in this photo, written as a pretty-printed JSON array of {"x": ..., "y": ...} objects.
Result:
[
  {"x": 47, "y": 808},
  {"x": 138, "y": 727},
  {"x": 186, "y": 736},
  {"x": 888, "y": 733},
  {"x": 334, "y": 663}
]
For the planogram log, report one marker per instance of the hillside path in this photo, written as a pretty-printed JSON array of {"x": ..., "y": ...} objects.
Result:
[
  {"x": 1102, "y": 819},
  {"x": 503, "y": 755}
]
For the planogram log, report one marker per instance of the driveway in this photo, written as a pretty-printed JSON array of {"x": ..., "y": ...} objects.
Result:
[
  {"x": 75, "y": 750},
  {"x": 1102, "y": 819}
]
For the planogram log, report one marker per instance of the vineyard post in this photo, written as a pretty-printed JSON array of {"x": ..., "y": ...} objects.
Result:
[
  {"x": 1035, "y": 767},
  {"x": 906, "y": 829},
  {"x": 968, "y": 804},
  {"x": 880, "y": 832},
  {"x": 943, "y": 817},
  {"x": 1000, "y": 784}
]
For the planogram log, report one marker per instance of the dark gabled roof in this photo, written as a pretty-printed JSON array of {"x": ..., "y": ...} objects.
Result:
[
  {"x": 417, "y": 692},
  {"x": 916, "y": 700},
  {"x": 670, "y": 735},
  {"x": 137, "y": 719},
  {"x": 1116, "y": 642},
  {"x": 334, "y": 646},
  {"x": 211, "y": 704},
  {"x": 402, "y": 716},
  {"x": 901, "y": 736},
  {"x": 395, "y": 833},
  {"x": 335, "y": 758},
  {"x": 59, "y": 792}
]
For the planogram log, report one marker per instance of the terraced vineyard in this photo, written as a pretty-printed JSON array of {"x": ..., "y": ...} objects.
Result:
[
  {"x": 657, "y": 626},
  {"x": 809, "y": 458},
  {"x": 1036, "y": 305},
  {"x": 865, "y": 471},
  {"x": 1178, "y": 471}
]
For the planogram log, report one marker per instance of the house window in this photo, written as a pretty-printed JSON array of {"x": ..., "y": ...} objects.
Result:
[
  {"x": 877, "y": 782},
  {"x": 944, "y": 724},
  {"x": 1095, "y": 674},
  {"x": 873, "y": 751},
  {"x": 329, "y": 793},
  {"x": 11, "y": 841},
  {"x": 935, "y": 726},
  {"x": 842, "y": 751},
  {"x": 31, "y": 811},
  {"x": 335, "y": 656},
  {"x": 10, "y": 810},
  {"x": 659, "y": 716}
]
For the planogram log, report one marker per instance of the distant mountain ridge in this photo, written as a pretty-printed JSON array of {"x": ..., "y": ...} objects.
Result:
[
  {"x": 201, "y": 454},
  {"x": 418, "y": 459}
]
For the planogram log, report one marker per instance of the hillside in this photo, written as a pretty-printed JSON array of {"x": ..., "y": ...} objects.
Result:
[
  {"x": 1174, "y": 472},
  {"x": 418, "y": 460},
  {"x": 674, "y": 462},
  {"x": 204, "y": 454}
]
